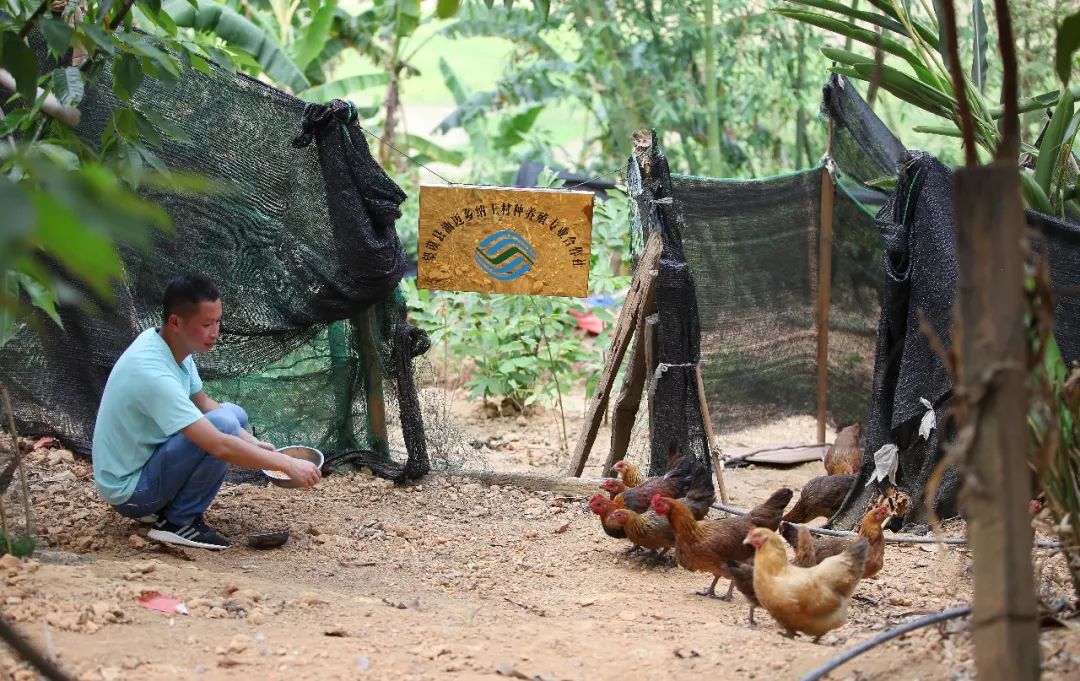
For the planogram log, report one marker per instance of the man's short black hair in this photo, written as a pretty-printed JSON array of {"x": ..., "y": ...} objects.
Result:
[{"x": 183, "y": 294}]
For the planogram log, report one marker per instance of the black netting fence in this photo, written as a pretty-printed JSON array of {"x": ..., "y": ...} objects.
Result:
[
  {"x": 753, "y": 248},
  {"x": 299, "y": 237}
]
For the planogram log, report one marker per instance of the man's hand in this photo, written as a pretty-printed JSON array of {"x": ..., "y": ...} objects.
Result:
[{"x": 303, "y": 472}]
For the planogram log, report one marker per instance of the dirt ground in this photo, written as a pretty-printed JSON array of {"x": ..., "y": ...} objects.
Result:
[{"x": 451, "y": 579}]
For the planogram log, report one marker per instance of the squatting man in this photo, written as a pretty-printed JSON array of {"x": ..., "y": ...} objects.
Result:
[{"x": 161, "y": 444}]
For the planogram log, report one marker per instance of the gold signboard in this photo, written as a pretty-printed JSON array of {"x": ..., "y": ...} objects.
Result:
[{"x": 501, "y": 240}]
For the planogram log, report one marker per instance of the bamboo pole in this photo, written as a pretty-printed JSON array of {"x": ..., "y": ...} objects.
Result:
[
  {"x": 825, "y": 247},
  {"x": 628, "y": 402},
  {"x": 620, "y": 341},
  {"x": 718, "y": 469},
  {"x": 373, "y": 384}
]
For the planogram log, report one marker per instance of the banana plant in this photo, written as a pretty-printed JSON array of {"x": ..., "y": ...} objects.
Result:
[
  {"x": 290, "y": 43},
  {"x": 911, "y": 63}
]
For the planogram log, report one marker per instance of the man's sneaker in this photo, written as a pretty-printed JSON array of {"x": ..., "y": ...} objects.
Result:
[
  {"x": 197, "y": 534},
  {"x": 149, "y": 519}
]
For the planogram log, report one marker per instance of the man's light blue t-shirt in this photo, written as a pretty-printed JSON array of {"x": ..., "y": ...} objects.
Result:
[{"x": 147, "y": 400}]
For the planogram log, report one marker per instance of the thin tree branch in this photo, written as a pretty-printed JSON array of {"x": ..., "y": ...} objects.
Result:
[
  {"x": 68, "y": 115},
  {"x": 967, "y": 125},
  {"x": 1009, "y": 149},
  {"x": 112, "y": 25}
]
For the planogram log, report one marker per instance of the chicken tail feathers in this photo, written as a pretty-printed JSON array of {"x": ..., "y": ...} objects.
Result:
[{"x": 769, "y": 512}]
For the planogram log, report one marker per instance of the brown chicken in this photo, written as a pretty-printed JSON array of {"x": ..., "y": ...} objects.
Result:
[
  {"x": 844, "y": 455},
  {"x": 629, "y": 473},
  {"x": 870, "y": 529},
  {"x": 810, "y": 600},
  {"x": 652, "y": 531},
  {"x": 604, "y": 508},
  {"x": 706, "y": 545},
  {"x": 674, "y": 484},
  {"x": 821, "y": 496},
  {"x": 614, "y": 487},
  {"x": 648, "y": 530},
  {"x": 742, "y": 574}
]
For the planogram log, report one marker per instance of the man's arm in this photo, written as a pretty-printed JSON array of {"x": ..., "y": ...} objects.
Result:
[
  {"x": 238, "y": 451},
  {"x": 207, "y": 404},
  {"x": 204, "y": 402}
]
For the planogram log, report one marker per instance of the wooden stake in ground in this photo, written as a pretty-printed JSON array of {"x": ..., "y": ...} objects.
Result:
[
  {"x": 825, "y": 244},
  {"x": 367, "y": 327},
  {"x": 718, "y": 468},
  {"x": 620, "y": 341},
  {"x": 628, "y": 401}
]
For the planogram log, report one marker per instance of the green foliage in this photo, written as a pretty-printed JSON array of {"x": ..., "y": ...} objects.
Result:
[
  {"x": 630, "y": 65},
  {"x": 1068, "y": 42},
  {"x": 914, "y": 69},
  {"x": 68, "y": 204},
  {"x": 21, "y": 547},
  {"x": 242, "y": 34}
]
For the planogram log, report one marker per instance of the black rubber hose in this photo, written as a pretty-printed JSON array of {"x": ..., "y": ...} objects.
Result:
[
  {"x": 883, "y": 637},
  {"x": 29, "y": 653}
]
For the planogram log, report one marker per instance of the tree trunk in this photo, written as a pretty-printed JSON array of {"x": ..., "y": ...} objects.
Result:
[{"x": 990, "y": 341}]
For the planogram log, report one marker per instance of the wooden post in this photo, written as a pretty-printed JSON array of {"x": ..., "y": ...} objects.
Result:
[
  {"x": 718, "y": 470},
  {"x": 366, "y": 326},
  {"x": 990, "y": 341},
  {"x": 629, "y": 399},
  {"x": 620, "y": 341},
  {"x": 652, "y": 354},
  {"x": 825, "y": 242}
]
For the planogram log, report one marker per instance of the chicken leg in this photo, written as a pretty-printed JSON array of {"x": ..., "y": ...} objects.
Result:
[{"x": 711, "y": 591}]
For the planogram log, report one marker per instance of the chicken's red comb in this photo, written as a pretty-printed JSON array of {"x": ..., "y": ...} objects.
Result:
[{"x": 656, "y": 498}]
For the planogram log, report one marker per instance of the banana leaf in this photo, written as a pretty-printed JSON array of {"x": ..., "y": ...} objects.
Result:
[
  {"x": 343, "y": 88},
  {"x": 224, "y": 22},
  {"x": 908, "y": 89},
  {"x": 869, "y": 17},
  {"x": 1050, "y": 150}
]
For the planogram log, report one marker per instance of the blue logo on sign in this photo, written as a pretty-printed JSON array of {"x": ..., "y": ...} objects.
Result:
[{"x": 505, "y": 255}]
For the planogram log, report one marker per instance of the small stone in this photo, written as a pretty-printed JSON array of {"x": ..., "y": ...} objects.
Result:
[
  {"x": 111, "y": 674},
  {"x": 136, "y": 541},
  {"x": 10, "y": 562},
  {"x": 101, "y": 609},
  {"x": 312, "y": 600},
  {"x": 562, "y": 527},
  {"x": 239, "y": 643},
  {"x": 522, "y": 421}
]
